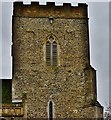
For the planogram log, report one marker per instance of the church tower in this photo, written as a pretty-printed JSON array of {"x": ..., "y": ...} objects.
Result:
[{"x": 51, "y": 61}]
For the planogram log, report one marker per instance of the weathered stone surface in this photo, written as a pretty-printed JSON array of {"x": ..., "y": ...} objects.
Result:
[{"x": 71, "y": 85}]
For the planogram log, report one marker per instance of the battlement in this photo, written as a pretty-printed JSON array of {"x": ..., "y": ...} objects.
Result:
[{"x": 50, "y": 10}]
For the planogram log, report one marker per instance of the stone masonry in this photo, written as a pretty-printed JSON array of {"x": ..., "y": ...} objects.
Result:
[{"x": 71, "y": 85}]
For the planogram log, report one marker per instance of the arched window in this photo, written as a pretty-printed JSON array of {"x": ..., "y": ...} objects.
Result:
[
  {"x": 50, "y": 110},
  {"x": 51, "y": 52}
]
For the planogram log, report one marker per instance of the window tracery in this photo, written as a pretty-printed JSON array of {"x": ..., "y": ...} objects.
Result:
[{"x": 51, "y": 51}]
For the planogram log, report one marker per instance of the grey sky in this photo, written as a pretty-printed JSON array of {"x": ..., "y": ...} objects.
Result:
[
  {"x": 99, "y": 44},
  {"x": 109, "y": 49}
]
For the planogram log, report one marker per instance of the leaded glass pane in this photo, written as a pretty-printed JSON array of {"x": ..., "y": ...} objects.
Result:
[
  {"x": 48, "y": 53},
  {"x": 54, "y": 59}
]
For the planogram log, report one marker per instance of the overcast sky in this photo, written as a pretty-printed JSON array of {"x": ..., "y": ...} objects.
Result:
[{"x": 98, "y": 13}]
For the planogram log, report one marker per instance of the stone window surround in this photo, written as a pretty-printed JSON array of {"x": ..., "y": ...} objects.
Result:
[{"x": 58, "y": 48}]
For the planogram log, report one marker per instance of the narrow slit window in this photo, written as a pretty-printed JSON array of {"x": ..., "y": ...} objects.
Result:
[
  {"x": 50, "y": 110},
  {"x": 48, "y": 53}
]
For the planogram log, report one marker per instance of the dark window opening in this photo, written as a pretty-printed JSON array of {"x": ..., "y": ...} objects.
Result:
[
  {"x": 50, "y": 110},
  {"x": 69, "y": 71}
]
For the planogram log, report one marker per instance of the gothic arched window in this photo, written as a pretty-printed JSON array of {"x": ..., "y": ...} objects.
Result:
[{"x": 51, "y": 52}]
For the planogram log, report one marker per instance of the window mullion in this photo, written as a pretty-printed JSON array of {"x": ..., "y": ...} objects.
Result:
[{"x": 51, "y": 52}]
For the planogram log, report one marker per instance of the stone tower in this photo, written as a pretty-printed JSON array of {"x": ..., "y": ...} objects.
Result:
[{"x": 51, "y": 61}]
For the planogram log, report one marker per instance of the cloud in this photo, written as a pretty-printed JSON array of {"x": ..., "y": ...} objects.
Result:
[
  {"x": 99, "y": 42},
  {"x": 6, "y": 39}
]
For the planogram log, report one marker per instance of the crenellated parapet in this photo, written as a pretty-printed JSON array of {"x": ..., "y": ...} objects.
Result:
[{"x": 50, "y": 10}]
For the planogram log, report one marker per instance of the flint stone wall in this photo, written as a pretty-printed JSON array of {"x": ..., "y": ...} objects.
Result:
[{"x": 71, "y": 85}]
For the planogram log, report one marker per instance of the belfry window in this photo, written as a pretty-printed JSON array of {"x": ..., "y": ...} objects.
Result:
[{"x": 51, "y": 52}]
